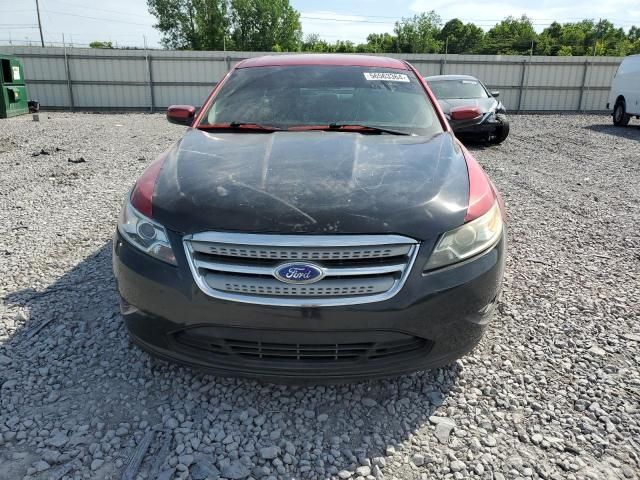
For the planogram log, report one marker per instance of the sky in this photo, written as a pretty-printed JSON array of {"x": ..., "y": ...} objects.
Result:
[{"x": 128, "y": 22}]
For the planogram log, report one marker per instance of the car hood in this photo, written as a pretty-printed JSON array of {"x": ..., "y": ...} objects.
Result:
[
  {"x": 485, "y": 104},
  {"x": 312, "y": 182}
]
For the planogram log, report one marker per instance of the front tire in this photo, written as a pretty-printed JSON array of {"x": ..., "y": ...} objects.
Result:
[
  {"x": 502, "y": 131},
  {"x": 620, "y": 116}
]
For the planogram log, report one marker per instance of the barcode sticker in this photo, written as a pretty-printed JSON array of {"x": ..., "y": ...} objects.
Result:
[{"x": 386, "y": 76}]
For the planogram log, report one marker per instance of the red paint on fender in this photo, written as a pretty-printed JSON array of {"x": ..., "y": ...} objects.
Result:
[
  {"x": 481, "y": 192},
  {"x": 142, "y": 194}
]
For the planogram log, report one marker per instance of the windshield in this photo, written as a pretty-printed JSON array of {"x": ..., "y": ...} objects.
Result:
[
  {"x": 445, "y": 89},
  {"x": 313, "y": 95}
]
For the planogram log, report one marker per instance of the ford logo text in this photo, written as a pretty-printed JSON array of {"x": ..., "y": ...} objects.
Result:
[{"x": 299, "y": 273}]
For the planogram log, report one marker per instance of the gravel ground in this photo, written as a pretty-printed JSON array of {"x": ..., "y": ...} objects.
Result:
[{"x": 552, "y": 392}]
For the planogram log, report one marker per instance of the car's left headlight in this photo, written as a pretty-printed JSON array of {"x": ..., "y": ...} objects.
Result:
[
  {"x": 467, "y": 240},
  {"x": 145, "y": 234}
]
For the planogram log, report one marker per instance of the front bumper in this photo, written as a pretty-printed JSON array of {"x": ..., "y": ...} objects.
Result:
[
  {"x": 444, "y": 313},
  {"x": 487, "y": 124}
]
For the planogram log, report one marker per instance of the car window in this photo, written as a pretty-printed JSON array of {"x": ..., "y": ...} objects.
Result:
[
  {"x": 446, "y": 89},
  {"x": 311, "y": 95}
]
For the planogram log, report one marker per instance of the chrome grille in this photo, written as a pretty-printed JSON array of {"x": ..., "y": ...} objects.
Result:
[
  {"x": 358, "y": 268},
  {"x": 287, "y": 253}
]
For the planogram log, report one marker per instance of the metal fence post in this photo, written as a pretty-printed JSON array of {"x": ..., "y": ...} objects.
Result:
[
  {"x": 443, "y": 62},
  {"x": 584, "y": 82},
  {"x": 521, "y": 90},
  {"x": 68, "y": 71},
  {"x": 148, "y": 58}
]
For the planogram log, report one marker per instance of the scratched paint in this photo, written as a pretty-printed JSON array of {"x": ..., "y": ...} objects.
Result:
[{"x": 313, "y": 182}]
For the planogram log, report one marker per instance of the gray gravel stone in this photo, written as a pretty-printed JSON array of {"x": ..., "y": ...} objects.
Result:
[
  {"x": 269, "y": 453},
  {"x": 363, "y": 471},
  {"x": 548, "y": 392},
  {"x": 41, "y": 466},
  {"x": 59, "y": 440},
  {"x": 235, "y": 471}
]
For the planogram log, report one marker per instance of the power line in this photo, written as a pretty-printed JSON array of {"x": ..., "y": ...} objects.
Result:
[
  {"x": 99, "y": 9},
  {"x": 112, "y": 20},
  {"x": 343, "y": 20}
]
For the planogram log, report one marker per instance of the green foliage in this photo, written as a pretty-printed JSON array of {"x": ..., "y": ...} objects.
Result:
[
  {"x": 587, "y": 38},
  {"x": 381, "y": 43},
  {"x": 512, "y": 36},
  {"x": 461, "y": 38},
  {"x": 565, "y": 51},
  {"x": 98, "y": 44},
  {"x": 262, "y": 25},
  {"x": 419, "y": 34},
  {"x": 274, "y": 25}
]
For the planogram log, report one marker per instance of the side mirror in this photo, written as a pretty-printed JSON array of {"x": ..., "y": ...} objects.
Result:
[
  {"x": 495, "y": 93},
  {"x": 181, "y": 114},
  {"x": 464, "y": 112}
]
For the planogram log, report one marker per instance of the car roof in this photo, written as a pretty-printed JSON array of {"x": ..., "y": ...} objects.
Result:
[
  {"x": 323, "y": 59},
  {"x": 434, "y": 78}
]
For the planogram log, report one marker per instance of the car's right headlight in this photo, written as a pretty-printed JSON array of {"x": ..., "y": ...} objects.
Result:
[
  {"x": 467, "y": 240},
  {"x": 145, "y": 234}
]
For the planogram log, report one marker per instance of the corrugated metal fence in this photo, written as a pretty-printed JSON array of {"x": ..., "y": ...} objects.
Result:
[{"x": 92, "y": 79}]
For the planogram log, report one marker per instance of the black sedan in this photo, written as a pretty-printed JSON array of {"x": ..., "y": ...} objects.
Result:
[
  {"x": 318, "y": 221},
  {"x": 457, "y": 93}
]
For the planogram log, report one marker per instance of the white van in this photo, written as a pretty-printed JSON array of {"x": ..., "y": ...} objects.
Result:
[{"x": 624, "y": 96}]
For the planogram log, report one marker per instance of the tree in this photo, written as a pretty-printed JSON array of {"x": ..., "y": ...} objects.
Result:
[
  {"x": 212, "y": 23},
  {"x": 585, "y": 38},
  {"x": 261, "y": 25},
  {"x": 460, "y": 38},
  {"x": 191, "y": 24},
  {"x": 381, "y": 43},
  {"x": 313, "y": 43},
  {"x": 549, "y": 40},
  {"x": 611, "y": 40},
  {"x": 634, "y": 40},
  {"x": 235, "y": 24},
  {"x": 419, "y": 34},
  {"x": 564, "y": 51},
  {"x": 512, "y": 36},
  {"x": 99, "y": 44}
]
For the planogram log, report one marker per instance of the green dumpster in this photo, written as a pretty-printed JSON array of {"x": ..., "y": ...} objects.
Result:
[{"x": 13, "y": 90}]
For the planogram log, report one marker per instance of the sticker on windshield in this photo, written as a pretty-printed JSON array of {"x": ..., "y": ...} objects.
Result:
[{"x": 386, "y": 76}]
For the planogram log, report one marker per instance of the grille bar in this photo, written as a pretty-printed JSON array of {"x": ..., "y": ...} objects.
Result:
[
  {"x": 301, "y": 352},
  {"x": 356, "y": 268},
  {"x": 293, "y": 253},
  {"x": 271, "y": 286},
  {"x": 226, "y": 266}
]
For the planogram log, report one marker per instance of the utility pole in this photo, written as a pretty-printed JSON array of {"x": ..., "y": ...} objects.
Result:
[{"x": 39, "y": 23}]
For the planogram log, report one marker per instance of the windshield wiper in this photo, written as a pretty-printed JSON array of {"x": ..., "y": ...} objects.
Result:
[
  {"x": 373, "y": 128},
  {"x": 239, "y": 126}
]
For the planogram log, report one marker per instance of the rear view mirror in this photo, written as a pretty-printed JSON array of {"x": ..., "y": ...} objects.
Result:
[
  {"x": 465, "y": 112},
  {"x": 181, "y": 114},
  {"x": 495, "y": 93}
]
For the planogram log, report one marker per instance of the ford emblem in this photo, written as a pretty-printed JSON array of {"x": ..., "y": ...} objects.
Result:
[{"x": 299, "y": 273}]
